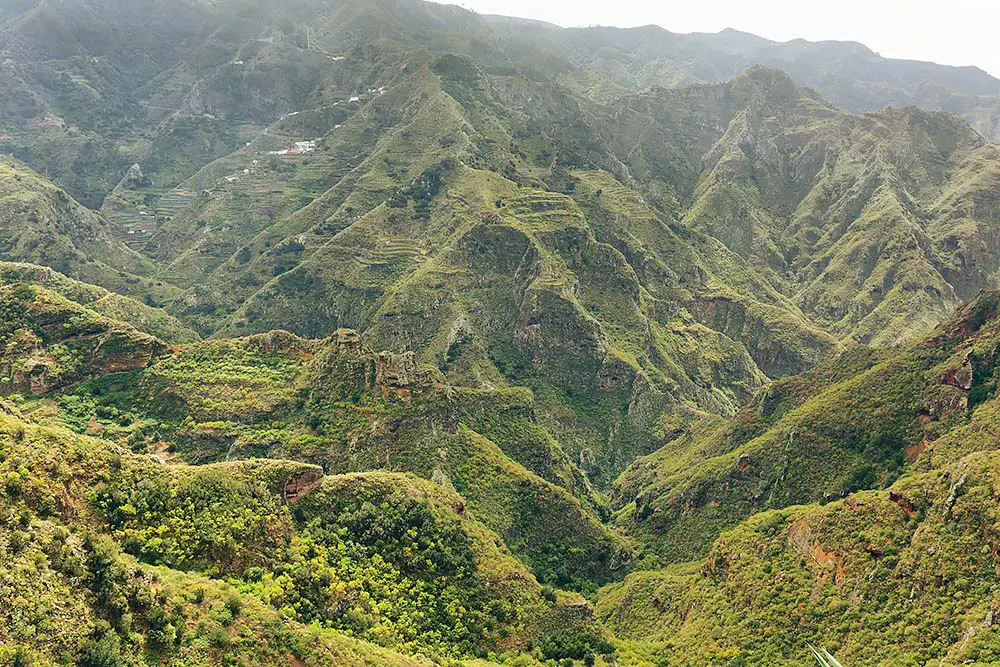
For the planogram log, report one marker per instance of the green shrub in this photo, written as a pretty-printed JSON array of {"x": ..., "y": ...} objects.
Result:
[{"x": 105, "y": 652}]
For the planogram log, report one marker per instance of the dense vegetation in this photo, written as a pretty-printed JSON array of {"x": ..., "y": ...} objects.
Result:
[{"x": 374, "y": 332}]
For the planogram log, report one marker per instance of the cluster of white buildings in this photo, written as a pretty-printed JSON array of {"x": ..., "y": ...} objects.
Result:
[{"x": 299, "y": 147}]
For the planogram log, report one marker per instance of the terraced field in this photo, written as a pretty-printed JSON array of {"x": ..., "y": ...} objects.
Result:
[
  {"x": 391, "y": 250},
  {"x": 173, "y": 202}
]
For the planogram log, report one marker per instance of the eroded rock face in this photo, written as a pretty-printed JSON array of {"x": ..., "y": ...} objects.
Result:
[
  {"x": 26, "y": 364},
  {"x": 396, "y": 371},
  {"x": 281, "y": 342},
  {"x": 804, "y": 540},
  {"x": 960, "y": 377},
  {"x": 135, "y": 174},
  {"x": 131, "y": 360},
  {"x": 302, "y": 483},
  {"x": 345, "y": 368},
  {"x": 34, "y": 376},
  {"x": 766, "y": 340},
  {"x": 346, "y": 341}
]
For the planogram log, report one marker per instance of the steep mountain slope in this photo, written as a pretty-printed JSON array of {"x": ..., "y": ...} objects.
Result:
[
  {"x": 857, "y": 422},
  {"x": 518, "y": 101},
  {"x": 406, "y": 209},
  {"x": 41, "y": 224},
  {"x": 858, "y": 219},
  {"x": 194, "y": 79},
  {"x": 339, "y": 405},
  {"x": 459, "y": 277},
  {"x": 92, "y": 87},
  {"x": 71, "y": 80},
  {"x": 868, "y": 245},
  {"x": 387, "y": 214},
  {"x": 384, "y": 557},
  {"x": 114, "y": 306},
  {"x": 49, "y": 342},
  {"x": 906, "y": 575},
  {"x": 777, "y": 175}
]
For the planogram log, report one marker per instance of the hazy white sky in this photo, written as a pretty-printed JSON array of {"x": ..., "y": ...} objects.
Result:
[{"x": 952, "y": 32}]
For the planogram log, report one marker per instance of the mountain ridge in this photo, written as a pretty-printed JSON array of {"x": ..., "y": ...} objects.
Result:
[{"x": 381, "y": 332}]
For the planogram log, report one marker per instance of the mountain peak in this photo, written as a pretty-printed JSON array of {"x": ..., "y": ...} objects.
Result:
[
  {"x": 766, "y": 83},
  {"x": 731, "y": 33}
]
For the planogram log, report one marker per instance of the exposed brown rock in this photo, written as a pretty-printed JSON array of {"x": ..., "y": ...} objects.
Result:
[
  {"x": 134, "y": 359},
  {"x": 346, "y": 341},
  {"x": 904, "y": 503},
  {"x": 399, "y": 374},
  {"x": 959, "y": 377},
  {"x": 34, "y": 375},
  {"x": 302, "y": 483},
  {"x": 803, "y": 540},
  {"x": 913, "y": 452}
]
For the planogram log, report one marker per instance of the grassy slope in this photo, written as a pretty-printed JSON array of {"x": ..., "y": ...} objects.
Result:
[
  {"x": 41, "y": 224},
  {"x": 909, "y": 569},
  {"x": 850, "y": 424},
  {"x": 388, "y": 558},
  {"x": 109, "y": 304},
  {"x": 349, "y": 410},
  {"x": 903, "y": 576}
]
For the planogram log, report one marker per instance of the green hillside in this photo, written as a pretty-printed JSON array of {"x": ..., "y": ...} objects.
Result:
[
  {"x": 900, "y": 571},
  {"x": 99, "y": 300},
  {"x": 135, "y": 561},
  {"x": 380, "y": 332},
  {"x": 336, "y": 404},
  {"x": 51, "y": 343}
]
